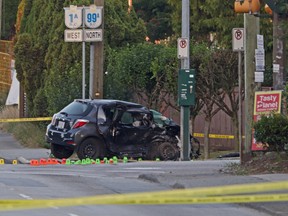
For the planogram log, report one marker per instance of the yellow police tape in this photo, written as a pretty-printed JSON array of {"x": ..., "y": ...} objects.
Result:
[
  {"x": 217, "y": 136},
  {"x": 211, "y": 195},
  {"x": 26, "y": 119}
]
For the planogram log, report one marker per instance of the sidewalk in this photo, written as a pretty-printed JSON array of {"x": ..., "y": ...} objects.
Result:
[{"x": 10, "y": 149}]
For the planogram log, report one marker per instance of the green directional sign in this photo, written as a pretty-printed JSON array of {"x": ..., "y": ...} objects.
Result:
[{"x": 186, "y": 87}]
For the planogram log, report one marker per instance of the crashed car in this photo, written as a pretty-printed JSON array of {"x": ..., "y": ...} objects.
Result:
[{"x": 104, "y": 128}]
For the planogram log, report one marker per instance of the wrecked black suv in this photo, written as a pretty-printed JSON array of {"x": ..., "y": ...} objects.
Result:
[{"x": 105, "y": 128}]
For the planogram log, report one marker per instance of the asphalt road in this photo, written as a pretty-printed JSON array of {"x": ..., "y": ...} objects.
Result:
[{"x": 25, "y": 182}]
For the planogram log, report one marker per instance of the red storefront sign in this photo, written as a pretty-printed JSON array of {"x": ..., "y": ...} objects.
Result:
[{"x": 265, "y": 102}]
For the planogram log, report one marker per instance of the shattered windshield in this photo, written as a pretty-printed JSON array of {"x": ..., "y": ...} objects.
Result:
[{"x": 160, "y": 119}]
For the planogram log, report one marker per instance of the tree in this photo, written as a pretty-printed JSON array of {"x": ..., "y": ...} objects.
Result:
[
  {"x": 47, "y": 67},
  {"x": 226, "y": 70},
  {"x": 210, "y": 21},
  {"x": 208, "y": 86},
  {"x": 150, "y": 70},
  {"x": 8, "y": 19},
  {"x": 157, "y": 17}
]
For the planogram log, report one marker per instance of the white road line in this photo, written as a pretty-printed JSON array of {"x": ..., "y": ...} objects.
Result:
[
  {"x": 70, "y": 214},
  {"x": 143, "y": 168},
  {"x": 26, "y": 197}
]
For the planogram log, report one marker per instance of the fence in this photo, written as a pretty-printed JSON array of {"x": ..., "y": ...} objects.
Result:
[{"x": 6, "y": 52}]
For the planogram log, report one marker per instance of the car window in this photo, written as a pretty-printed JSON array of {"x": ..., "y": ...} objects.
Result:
[
  {"x": 106, "y": 114},
  {"x": 126, "y": 118},
  {"x": 75, "y": 108},
  {"x": 101, "y": 115}
]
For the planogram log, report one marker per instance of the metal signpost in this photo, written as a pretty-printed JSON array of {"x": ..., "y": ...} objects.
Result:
[
  {"x": 186, "y": 82},
  {"x": 76, "y": 17},
  {"x": 238, "y": 35}
]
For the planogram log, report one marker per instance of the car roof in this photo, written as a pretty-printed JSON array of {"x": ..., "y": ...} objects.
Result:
[{"x": 109, "y": 102}]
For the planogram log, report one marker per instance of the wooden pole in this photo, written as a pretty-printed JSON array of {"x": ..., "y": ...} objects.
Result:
[{"x": 97, "y": 79}]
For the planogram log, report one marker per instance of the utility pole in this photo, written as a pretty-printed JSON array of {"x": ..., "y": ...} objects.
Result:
[
  {"x": 185, "y": 64},
  {"x": 279, "y": 74},
  {"x": 251, "y": 25},
  {"x": 96, "y": 72},
  {"x": 0, "y": 18}
]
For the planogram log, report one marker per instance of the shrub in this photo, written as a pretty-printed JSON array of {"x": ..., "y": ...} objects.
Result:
[{"x": 272, "y": 130}]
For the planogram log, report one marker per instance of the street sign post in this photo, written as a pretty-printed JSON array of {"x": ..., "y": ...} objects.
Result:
[
  {"x": 238, "y": 39},
  {"x": 238, "y": 44},
  {"x": 76, "y": 17}
]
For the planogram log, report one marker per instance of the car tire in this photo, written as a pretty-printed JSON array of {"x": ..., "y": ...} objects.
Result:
[
  {"x": 60, "y": 152},
  {"x": 91, "y": 148},
  {"x": 168, "y": 152},
  {"x": 153, "y": 152}
]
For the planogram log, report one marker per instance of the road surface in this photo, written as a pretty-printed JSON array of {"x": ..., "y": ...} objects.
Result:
[{"x": 26, "y": 182}]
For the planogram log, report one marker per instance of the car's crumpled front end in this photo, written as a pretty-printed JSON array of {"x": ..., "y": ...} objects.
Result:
[{"x": 167, "y": 131}]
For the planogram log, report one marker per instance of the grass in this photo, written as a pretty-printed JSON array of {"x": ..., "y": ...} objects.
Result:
[{"x": 29, "y": 134}]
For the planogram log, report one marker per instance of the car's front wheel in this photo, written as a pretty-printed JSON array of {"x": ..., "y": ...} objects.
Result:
[
  {"x": 91, "y": 148},
  {"x": 167, "y": 151},
  {"x": 61, "y": 152}
]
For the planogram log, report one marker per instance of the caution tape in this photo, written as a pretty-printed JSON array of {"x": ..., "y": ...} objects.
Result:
[
  {"x": 217, "y": 136},
  {"x": 26, "y": 119},
  {"x": 212, "y": 195}
]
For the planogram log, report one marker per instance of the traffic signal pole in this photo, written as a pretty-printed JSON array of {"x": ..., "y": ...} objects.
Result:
[{"x": 185, "y": 64}]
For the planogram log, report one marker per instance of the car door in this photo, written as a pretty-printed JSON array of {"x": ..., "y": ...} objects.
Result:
[{"x": 129, "y": 138}]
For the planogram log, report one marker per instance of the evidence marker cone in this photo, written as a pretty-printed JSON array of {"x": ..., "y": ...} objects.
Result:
[
  {"x": 97, "y": 161},
  {"x": 49, "y": 161},
  {"x": 42, "y": 161},
  {"x": 34, "y": 162},
  {"x": 125, "y": 160},
  {"x": 88, "y": 161},
  {"x": 83, "y": 161},
  {"x": 15, "y": 162},
  {"x": 2, "y": 161},
  {"x": 68, "y": 162},
  {"x": 54, "y": 161},
  {"x": 63, "y": 161},
  {"x": 78, "y": 162},
  {"x": 115, "y": 160}
]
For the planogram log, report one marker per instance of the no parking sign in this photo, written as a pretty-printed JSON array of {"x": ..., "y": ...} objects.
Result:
[
  {"x": 183, "y": 48},
  {"x": 238, "y": 39}
]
